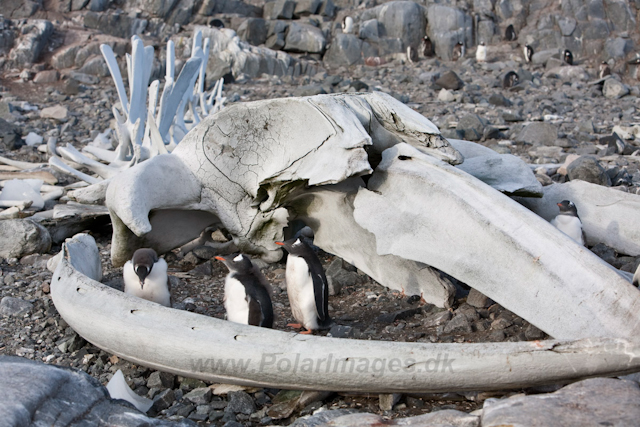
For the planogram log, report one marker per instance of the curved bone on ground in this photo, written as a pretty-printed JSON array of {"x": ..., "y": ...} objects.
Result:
[
  {"x": 465, "y": 228},
  {"x": 157, "y": 336},
  {"x": 608, "y": 216}
]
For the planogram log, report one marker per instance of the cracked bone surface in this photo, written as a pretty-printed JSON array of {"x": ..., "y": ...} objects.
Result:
[
  {"x": 248, "y": 167},
  {"x": 151, "y": 335}
]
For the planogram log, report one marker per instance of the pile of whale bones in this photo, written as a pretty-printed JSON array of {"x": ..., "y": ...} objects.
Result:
[{"x": 381, "y": 188}]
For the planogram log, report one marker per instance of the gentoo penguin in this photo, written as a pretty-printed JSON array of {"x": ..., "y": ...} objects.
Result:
[
  {"x": 510, "y": 33},
  {"x": 145, "y": 276},
  {"x": 567, "y": 57},
  {"x": 427, "y": 47},
  {"x": 481, "y": 52},
  {"x": 510, "y": 80},
  {"x": 247, "y": 294},
  {"x": 604, "y": 70},
  {"x": 307, "y": 286},
  {"x": 568, "y": 221},
  {"x": 347, "y": 25},
  {"x": 528, "y": 53},
  {"x": 458, "y": 51},
  {"x": 636, "y": 278},
  {"x": 412, "y": 55},
  {"x": 217, "y": 23}
]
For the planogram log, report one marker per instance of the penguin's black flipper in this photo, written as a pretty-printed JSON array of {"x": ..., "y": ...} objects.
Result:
[{"x": 260, "y": 306}]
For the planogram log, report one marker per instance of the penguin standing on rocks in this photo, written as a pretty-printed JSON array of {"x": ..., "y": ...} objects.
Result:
[
  {"x": 347, "y": 25},
  {"x": 604, "y": 70},
  {"x": 247, "y": 294},
  {"x": 510, "y": 80},
  {"x": 458, "y": 51},
  {"x": 567, "y": 57},
  {"x": 145, "y": 276},
  {"x": 307, "y": 287},
  {"x": 481, "y": 52},
  {"x": 510, "y": 33},
  {"x": 427, "y": 47},
  {"x": 412, "y": 55},
  {"x": 528, "y": 53},
  {"x": 568, "y": 221}
]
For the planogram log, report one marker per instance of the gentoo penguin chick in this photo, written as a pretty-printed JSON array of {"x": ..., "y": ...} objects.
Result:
[
  {"x": 510, "y": 80},
  {"x": 347, "y": 25},
  {"x": 510, "y": 33},
  {"x": 412, "y": 55},
  {"x": 307, "y": 286},
  {"x": 427, "y": 47},
  {"x": 247, "y": 294},
  {"x": 528, "y": 53},
  {"x": 567, "y": 57},
  {"x": 568, "y": 221},
  {"x": 458, "y": 51},
  {"x": 604, "y": 70},
  {"x": 145, "y": 276},
  {"x": 481, "y": 52}
]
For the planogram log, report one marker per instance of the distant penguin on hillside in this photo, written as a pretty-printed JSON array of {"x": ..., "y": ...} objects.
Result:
[
  {"x": 510, "y": 80},
  {"x": 528, "y": 53},
  {"x": 427, "y": 47},
  {"x": 481, "y": 52},
  {"x": 510, "y": 33},
  {"x": 347, "y": 25},
  {"x": 458, "y": 51},
  {"x": 307, "y": 287},
  {"x": 247, "y": 294},
  {"x": 604, "y": 70},
  {"x": 567, "y": 57},
  {"x": 217, "y": 23},
  {"x": 412, "y": 55},
  {"x": 145, "y": 276},
  {"x": 568, "y": 221}
]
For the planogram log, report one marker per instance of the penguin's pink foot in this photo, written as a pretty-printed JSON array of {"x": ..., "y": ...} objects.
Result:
[
  {"x": 295, "y": 325},
  {"x": 306, "y": 332},
  {"x": 422, "y": 300}
]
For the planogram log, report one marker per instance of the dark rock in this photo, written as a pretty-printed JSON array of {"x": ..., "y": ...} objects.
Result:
[
  {"x": 401, "y": 20},
  {"x": 398, "y": 315},
  {"x": 472, "y": 127},
  {"x": 602, "y": 401},
  {"x": 450, "y": 81},
  {"x": 199, "y": 396},
  {"x": 604, "y": 252},
  {"x": 20, "y": 237},
  {"x": 34, "y": 38},
  {"x": 618, "y": 47},
  {"x": 279, "y": 9},
  {"x": 369, "y": 30},
  {"x": 437, "y": 319},
  {"x": 36, "y": 394},
  {"x": 538, "y": 133},
  {"x": 387, "y": 401},
  {"x": 359, "y": 86},
  {"x": 213, "y": 7},
  {"x": 240, "y": 403},
  {"x": 344, "y": 50},
  {"x": 512, "y": 116},
  {"x": 477, "y": 299},
  {"x": 306, "y": 8},
  {"x": 501, "y": 323},
  {"x": 615, "y": 142},
  {"x": 253, "y": 31},
  {"x": 448, "y": 26},
  {"x": 304, "y": 38},
  {"x": 9, "y": 136},
  {"x": 533, "y": 333},
  {"x": 115, "y": 23},
  {"x": 308, "y": 90},
  {"x": 327, "y": 9},
  {"x": 499, "y": 100},
  {"x": 160, "y": 379},
  {"x": 10, "y": 306},
  {"x": 321, "y": 418},
  {"x": 204, "y": 252},
  {"x": 341, "y": 331},
  {"x": 460, "y": 324},
  {"x": 163, "y": 400},
  {"x": 588, "y": 169},
  {"x": 188, "y": 384}
]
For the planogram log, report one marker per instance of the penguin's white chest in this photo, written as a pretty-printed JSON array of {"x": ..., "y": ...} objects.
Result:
[
  {"x": 569, "y": 225},
  {"x": 155, "y": 286},
  {"x": 481, "y": 54},
  {"x": 235, "y": 301},
  {"x": 300, "y": 291}
]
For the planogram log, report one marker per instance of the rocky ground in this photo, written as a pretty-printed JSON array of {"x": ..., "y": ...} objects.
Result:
[{"x": 549, "y": 116}]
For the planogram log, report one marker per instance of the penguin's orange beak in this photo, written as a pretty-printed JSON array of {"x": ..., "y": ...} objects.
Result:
[
  {"x": 559, "y": 205},
  {"x": 219, "y": 258},
  {"x": 279, "y": 243}
]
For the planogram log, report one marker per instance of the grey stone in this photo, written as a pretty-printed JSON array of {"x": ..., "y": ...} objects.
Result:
[
  {"x": 398, "y": 315},
  {"x": 327, "y": 9},
  {"x": 159, "y": 379},
  {"x": 341, "y": 331},
  {"x": 38, "y": 394},
  {"x": 388, "y": 400},
  {"x": 304, "y": 38},
  {"x": 214, "y": 7},
  {"x": 204, "y": 252},
  {"x": 533, "y": 333},
  {"x": 10, "y": 306},
  {"x": 9, "y": 135},
  {"x": 199, "y": 396},
  {"x": 275, "y": 41},
  {"x": 460, "y": 323},
  {"x": 279, "y": 9},
  {"x": 403, "y": 20},
  {"x": 369, "y": 30},
  {"x": 595, "y": 29},
  {"x": 308, "y": 90},
  {"x": 47, "y": 76},
  {"x": 182, "y": 13},
  {"x": 437, "y": 319},
  {"x": 34, "y": 38},
  {"x": 20, "y": 9},
  {"x": 620, "y": 16},
  {"x": 344, "y": 50},
  {"x": 486, "y": 30},
  {"x": 501, "y": 323},
  {"x": 596, "y": 401},
  {"x": 322, "y": 418},
  {"x": 614, "y": 89},
  {"x": 306, "y": 8},
  {"x": 449, "y": 80},
  {"x": 543, "y": 56},
  {"x": 499, "y": 100},
  {"x": 163, "y": 400},
  {"x": 98, "y": 5},
  {"x": 65, "y": 57},
  {"x": 512, "y": 116},
  {"x": 538, "y": 133},
  {"x": 78, "y": 4},
  {"x": 588, "y": 169},
  {"x": 448, "y": 26},
  {"x": 95, "y": 66},
  {"x": 253, "y": 31},
  {"x": 567, "y": 25},
  {"x": 618, "y": 47},
  {"x": 84, "y": 78},
  {"x": 477, "y": 299},
  {"x": 20, "y": 237},
  {"x": 115, "y": 23},
  {"x": 240, "y": 403},
  {"x": 472, "y": 126}
]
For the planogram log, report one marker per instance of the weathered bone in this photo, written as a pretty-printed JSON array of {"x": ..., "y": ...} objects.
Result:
[{"x": 149, "y": 334}]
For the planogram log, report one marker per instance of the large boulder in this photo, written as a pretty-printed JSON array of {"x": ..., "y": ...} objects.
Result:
[
  {"x": 304, "y": 38},
  {"x": 212, "y": 7},
  {"x": 253, "y": 31},
  {"x": 344, "y": 50},
  {"x": 404, "y": 20},
  {"x": 20, "y": 237},
  {"x": 448, "y": 26},
  {"x": 35, "y": 35},
  {"x": 117, "y": 24}
]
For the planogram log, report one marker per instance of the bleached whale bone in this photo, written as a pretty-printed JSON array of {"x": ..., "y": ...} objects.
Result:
[
  {"x": 239, "y": 164},
  {"x": 221, "y": 351},
  {"x": 468, "y": 230}
]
